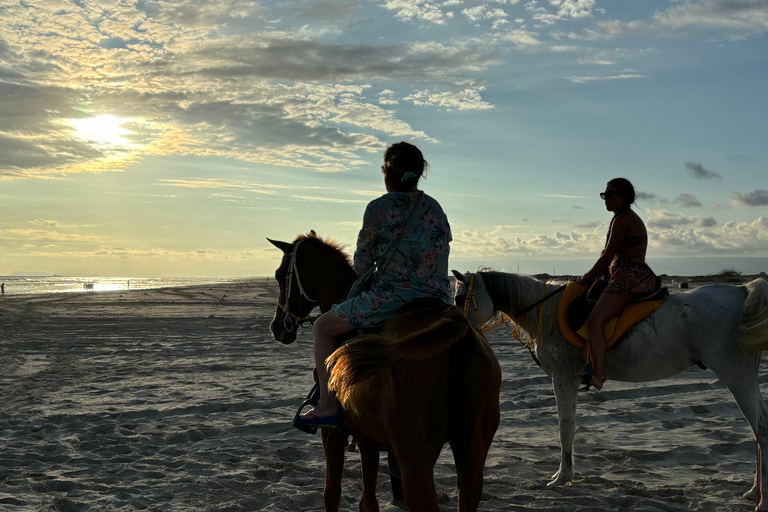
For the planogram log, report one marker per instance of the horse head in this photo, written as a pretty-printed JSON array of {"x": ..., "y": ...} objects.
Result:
[
  {"x": 313, "y": 272},
  {"x": 472, "y": 297}
]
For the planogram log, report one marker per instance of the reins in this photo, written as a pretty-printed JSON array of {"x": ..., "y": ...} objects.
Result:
[{"x": 291, "y": 320}]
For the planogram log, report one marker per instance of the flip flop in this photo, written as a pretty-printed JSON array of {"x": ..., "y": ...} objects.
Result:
[{"x": 314, "y": 420}]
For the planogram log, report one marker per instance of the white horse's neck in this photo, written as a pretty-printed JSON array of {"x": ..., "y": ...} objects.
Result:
[{"x": 512, "y": 294}]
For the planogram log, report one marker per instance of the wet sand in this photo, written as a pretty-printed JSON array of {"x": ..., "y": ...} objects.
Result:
[{"x": 179, "y": 399}]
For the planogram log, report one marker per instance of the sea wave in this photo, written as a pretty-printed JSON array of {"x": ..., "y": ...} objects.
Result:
[{"x": 27, "y": 285}]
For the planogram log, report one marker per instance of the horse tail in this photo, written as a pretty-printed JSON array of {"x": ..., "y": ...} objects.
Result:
[
  {"x": 356, "y": 362},
  {"x": 753, "y": 327},
  {"x": 353, "y": 366}
]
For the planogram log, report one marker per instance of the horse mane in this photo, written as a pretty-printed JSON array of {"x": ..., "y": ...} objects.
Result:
[
  {"x": 515, "y": 292},
  {"x": 329, "y": 246},
  {"x": 353, "y": 368}
]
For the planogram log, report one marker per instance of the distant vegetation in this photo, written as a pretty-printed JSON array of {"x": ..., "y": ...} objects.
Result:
[
  {"x": 725, "y": 275},
  {"x": 728, "y": 272}
]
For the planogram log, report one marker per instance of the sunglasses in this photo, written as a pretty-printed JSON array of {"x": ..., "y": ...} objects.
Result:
[{"x": 607, "y": 194}]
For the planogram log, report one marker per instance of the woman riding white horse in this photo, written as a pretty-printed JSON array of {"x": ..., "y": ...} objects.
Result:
[
  {"x": 624, "y": 255},
  {"x": 722, "y": 327}
]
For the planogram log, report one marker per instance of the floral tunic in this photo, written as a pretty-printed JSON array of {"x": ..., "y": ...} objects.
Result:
[{"x": 418, "y": 268}]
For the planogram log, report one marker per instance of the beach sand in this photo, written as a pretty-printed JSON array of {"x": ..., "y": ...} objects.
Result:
[{"x": 179, "y": 399}]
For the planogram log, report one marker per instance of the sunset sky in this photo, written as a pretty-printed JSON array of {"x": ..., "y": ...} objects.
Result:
[{"x": 150, "y": 138}]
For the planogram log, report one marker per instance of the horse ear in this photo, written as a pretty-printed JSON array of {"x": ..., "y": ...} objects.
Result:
[
  {"x": 283, "y": 246},
  {"x": 460, "y": 277},
  {"x": 312, "y": 233}
]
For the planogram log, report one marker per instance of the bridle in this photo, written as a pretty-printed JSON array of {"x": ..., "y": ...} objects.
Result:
[
  {"x": 292, "y": 321},
  {"x": 471, "y": 297}
]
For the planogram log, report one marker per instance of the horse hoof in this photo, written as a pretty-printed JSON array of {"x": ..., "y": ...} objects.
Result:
[{"x": 559, "y": 482}]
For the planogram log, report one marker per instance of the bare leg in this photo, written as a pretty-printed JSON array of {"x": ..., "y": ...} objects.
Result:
[
  {"x": 327, "y": 330},
  {"x": 608, "y": 306}
]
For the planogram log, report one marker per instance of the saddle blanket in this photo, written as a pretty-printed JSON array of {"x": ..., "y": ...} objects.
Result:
[{"x": 574, "y": 307}]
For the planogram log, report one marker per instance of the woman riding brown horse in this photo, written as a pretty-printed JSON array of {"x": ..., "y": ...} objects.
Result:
[{"x": 428, "y": 378}]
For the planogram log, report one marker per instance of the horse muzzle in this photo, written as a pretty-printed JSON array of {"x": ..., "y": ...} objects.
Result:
[{"x": 280, "y": 333}]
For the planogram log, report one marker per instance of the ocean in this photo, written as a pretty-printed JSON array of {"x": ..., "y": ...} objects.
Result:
[{"x": 26, "y": 285}]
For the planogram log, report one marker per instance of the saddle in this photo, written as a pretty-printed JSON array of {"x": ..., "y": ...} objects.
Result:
[{"x": 577, "y": 302}]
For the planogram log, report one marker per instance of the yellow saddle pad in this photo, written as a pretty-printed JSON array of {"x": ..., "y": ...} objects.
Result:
[{"x": 633, "y": 313}]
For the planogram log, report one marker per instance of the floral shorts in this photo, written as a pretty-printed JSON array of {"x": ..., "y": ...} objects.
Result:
[{"x": 630, "y": 275}]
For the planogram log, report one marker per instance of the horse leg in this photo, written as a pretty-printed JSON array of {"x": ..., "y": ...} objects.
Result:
[
  {"x": 334, "y": 443},
  {"x": 566, "y": 395},
  {"x": 416, "y": 453},
  {"x": 370, "y": 465},
  {"x": 741, "y": 380},
  {"x": 418, "y": 483},
  {"x": 470, "y": 450},
  {"x": 395, "y": 479},
  {"x": 470, "y": 435}
]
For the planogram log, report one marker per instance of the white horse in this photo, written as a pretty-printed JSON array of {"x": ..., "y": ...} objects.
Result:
[{"x": 722, "y": 327}]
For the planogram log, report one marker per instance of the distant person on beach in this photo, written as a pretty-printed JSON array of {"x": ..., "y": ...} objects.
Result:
[
  {"x": 2, "y": 289},
  {"x": 624, "y": 257},
  {"x": 417, "y": 269}
]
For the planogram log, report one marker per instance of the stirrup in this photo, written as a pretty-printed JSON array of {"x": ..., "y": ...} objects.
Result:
[{"x": 313, "y": 398}]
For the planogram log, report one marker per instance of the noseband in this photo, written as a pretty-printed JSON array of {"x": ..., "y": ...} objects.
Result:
[{"x": 292, "y": 321}]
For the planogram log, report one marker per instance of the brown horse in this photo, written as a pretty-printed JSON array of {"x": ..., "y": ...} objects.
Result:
[{"x": 428, "y": 378}]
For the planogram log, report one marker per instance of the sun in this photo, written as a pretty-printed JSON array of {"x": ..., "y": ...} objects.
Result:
[{"x": 105, "y": 130}]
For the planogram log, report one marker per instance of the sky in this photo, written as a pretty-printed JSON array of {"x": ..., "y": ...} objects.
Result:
[{"x": 150, "y": 138}]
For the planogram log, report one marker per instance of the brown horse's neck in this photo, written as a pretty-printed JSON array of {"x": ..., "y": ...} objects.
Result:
[{"x": 329, "y": 275}]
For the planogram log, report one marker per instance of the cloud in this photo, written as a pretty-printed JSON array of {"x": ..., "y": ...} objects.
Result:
[
  {"x": 663, "y": 219},
  {"x": 669, "y": 234},
  {"x": 420, "y": 10},
  {"x": 222, "y": 184},
  {"x": 42, "y": 235},
  {"x": 330, "y": 199},
  {"x": 316, "y": 10},
  {"x": 387, "y": 97},
  {"x": 481, "y": 12},
  {"x": 505, "y": 242},
  {"x": 566, "y": 9},
  {"x": 699, "y": 172},
  {"x": 742, "y": 239},
  {"x": 574, "y": 8},
  {"x": 56, "y": 224},
  {"x": 687, "y": 201},
  {"x": 757, "y": 197},
  {"x": 645, "y": 196},
  {"x": 565, "y": 196},
  {"x": 585, "y": 79},
  {"x": 521, "y": 38},
  {"x": 213, "y": 79},
  {"x": 468, "y": 99},
  {"x": 596, "y": 62},
  {"x": 736, "y": 19}
]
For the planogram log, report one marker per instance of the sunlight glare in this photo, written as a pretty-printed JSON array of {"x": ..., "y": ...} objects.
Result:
[{"x": 105, "y": 130}]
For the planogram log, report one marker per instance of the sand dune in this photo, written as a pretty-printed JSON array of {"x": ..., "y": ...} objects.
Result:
[{"x": 179, "y": 399}]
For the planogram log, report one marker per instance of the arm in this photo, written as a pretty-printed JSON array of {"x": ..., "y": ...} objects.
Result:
[
  {"x": 616, "y": 237},
  {"x": 366, "y": 242}
]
